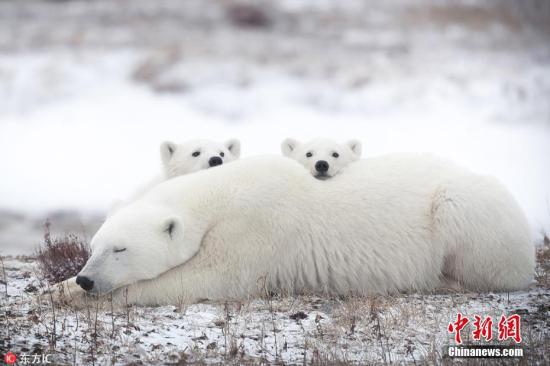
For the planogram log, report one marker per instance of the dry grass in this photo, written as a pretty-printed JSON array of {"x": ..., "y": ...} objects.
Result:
[
  {"x": 61, "y": 258},
  {"x": 543, "y": 263}
]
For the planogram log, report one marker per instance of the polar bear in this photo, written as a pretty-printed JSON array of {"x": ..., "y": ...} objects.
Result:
[
  {"x": 195, "y": 155},
  {"x": 185, "y": 158},
  {"x": 396, "y": 223},
  {"x": 324, "y": 158}
]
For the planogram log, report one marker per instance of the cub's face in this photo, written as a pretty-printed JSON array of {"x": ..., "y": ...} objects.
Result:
[
  {"x": 136, "y": 243},
  {"x": 195, "y": 155},
  {"x": 322, "y": 157}
]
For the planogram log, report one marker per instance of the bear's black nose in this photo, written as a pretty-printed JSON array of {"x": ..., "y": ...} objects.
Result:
[
  {"x": 216, "y": 160},
  {"x": 84, "y": 282},
  {"x": 321, "y": 166}
]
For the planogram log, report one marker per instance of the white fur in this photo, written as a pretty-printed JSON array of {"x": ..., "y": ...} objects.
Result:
[
  {"x": 178, "y": 159},
  {"x": 322, "y": 150},
  {"x": 397, "y": 223}
]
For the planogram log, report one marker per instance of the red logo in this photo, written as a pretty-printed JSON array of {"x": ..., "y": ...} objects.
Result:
[
  {"x": 457, "y": 326},
  {"x": 10, "y": 358},
  {"x": 483, "y": 329},
  {"x": 508, "y": 327}
]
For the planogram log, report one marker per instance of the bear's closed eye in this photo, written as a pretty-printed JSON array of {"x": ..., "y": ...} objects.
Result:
[{"x": 119, "y": 250}]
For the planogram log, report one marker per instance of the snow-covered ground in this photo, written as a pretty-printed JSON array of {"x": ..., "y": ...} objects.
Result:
[{"x": 403, "y": 329}]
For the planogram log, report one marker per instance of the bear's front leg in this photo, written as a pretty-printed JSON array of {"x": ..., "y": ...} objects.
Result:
[{"x": 182, "y": 285}]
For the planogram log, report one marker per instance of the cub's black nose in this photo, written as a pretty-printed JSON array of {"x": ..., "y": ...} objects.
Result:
[
  {"x": 216, "y": 160},
  {"x": 321, "y": 166},
  {"x": 84, "y": 282}
]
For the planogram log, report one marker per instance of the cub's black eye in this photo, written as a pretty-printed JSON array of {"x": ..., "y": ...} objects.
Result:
[
  {"x": 119, "y": 250},
  {"x": 222, "y": 154},
  {"x": 196, "y": 153},
  {"x": 309, "y": 154},
  {"x": 335, "y": 154}
]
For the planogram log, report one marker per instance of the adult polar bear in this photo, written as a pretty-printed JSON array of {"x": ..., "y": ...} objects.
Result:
[{"x": 385, "y": 225}]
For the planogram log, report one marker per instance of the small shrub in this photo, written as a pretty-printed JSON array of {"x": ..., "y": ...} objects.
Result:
[{"x": 61, "y": 258}]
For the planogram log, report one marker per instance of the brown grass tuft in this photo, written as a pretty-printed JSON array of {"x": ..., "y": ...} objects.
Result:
[{"x": 61, "y": 258}]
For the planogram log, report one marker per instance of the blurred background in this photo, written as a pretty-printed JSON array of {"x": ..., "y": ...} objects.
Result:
[{"x": 89, "y": 89}]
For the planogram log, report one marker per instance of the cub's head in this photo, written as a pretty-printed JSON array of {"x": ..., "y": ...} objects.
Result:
[
  {"x": 136, "y": 243},
  {"x": 322, "y": 157},
  {"x": 195, "y": 155}
]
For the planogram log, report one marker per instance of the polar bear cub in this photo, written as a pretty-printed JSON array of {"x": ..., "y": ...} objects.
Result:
[
  {"x": 195, "y": 155},
  {"x": 324, "y": 158},
  {"x": 185, "y": 158}
]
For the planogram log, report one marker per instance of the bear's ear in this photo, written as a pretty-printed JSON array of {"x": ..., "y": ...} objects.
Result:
[
  {"x": 167, "y": 149},
  {"x": 356, "y": 147},
  {"x": 172, "y": 227},
  {"x": 288, "y": 146},
  {"x": 234, "y": 147}
]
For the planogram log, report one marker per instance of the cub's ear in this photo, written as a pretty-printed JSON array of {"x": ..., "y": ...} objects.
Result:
[
  {"x": 288, "y": 146},
  {"x": 356, "y": 147},
  {"x": 234, "y": 147},
  {"x": 167, "y": 149},
  {"x": 173, "y": 227}
]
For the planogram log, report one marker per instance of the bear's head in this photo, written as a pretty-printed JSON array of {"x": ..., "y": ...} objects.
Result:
[
  {"x": 195, "y": 155},
  {"x": 324, "y": 158},
  {"x": 139, "y": 242}
]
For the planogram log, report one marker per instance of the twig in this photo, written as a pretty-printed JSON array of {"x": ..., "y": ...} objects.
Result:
[
  {"x": 127, "y": 307},
  {"x": 112, "y": 318},
  {"x": 262, "y": 334},
  {"x": 95, "y": 325},
  {"x": 75, "y": 336},
  {"x": 54, "y": 329},
  {"x": 305, "y": 341},
  {"x": 47, "y": 233},
  {"x": 272, "y": 312},
  {"x": 5, "y": 282},
  {"x": 224, "y": 330},
  {"x": 305, "y": 348},
  {"x": 89, "y": 318}
]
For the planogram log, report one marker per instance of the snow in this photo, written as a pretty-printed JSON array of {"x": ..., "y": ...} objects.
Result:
[
  {"x": 77, "y": 132},
  {"x": 401, "y": 328}
]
